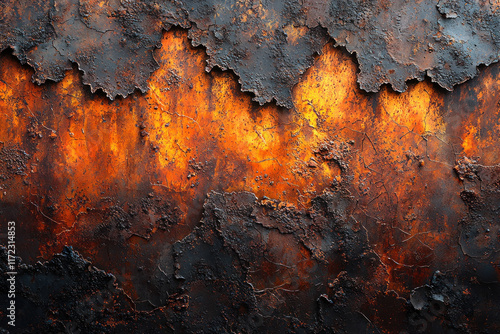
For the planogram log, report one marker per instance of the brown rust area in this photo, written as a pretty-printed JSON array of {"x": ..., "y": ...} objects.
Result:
[{"x": 355, "y": 200}]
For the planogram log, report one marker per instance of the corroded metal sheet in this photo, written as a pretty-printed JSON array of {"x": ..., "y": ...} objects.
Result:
[
  {"x": 267, "y": 44},
  {"x": 402, "y": 40},
  {"x": 187, "y": 207},
  {"x": 112, "y": 42}
]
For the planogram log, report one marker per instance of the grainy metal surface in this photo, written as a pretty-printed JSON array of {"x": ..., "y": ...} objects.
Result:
[{"x": 190, "y": 208}]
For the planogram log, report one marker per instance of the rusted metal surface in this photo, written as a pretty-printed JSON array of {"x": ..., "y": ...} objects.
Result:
[
  {"x": 402, "y": 40},
  {"x": 191, "y": 208},
  {"x": 267, "y": 44},
  {"x": 105, "y": 39}
]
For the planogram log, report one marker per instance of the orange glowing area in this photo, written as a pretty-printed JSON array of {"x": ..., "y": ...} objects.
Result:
[{"x": 90, "y": 160}]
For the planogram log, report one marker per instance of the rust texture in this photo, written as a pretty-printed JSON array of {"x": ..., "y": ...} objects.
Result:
[
  {"x": 105, "y": 39},
  {"x": 402, "y": 40},
  {"x": 267, "y": 44},
  {"x": 188, "y": 207}
]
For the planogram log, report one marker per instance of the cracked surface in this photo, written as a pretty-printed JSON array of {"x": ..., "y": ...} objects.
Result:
[
  {"x": 247, "y": 267},
  {"x": 112, "y": 43},
  {"x": 245, "y": 240},
  {"x": 353, "y": 212}
]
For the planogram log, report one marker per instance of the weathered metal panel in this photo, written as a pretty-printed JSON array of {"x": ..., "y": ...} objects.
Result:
[{"x": 158, "y": 196}]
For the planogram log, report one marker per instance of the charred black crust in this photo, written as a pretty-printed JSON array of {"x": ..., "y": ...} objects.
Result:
[
  {"x": 251, "y": 39},
  {"x": 218, "y": 281},
  {"x": 398, "y": 41},
  {"x": 269, "y": 44}
]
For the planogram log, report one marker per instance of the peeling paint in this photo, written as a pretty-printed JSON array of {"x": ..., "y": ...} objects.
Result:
[{"x": 268, "y": 45}]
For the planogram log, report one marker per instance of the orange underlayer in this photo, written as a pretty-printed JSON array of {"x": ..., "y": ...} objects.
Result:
[{"x": 194, "y": 132}]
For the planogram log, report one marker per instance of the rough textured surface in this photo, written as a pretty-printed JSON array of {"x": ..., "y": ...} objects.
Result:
[
  {"x": 112, "y": 42},
  {"x": 264, "y": 43},
  {"x": 402, "y": 40},
  {"x": 479, "y": 230},
  {"x": 263, "y": 266},
  {"x": 24, "y": 25},
  {"x": 69, "y": 295},
  {"x": 12, "y": 162},
  {"x": 242, "y": 241},
  {"x": 268, "y": 44},
  {"x": 352, "y": 212}
]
